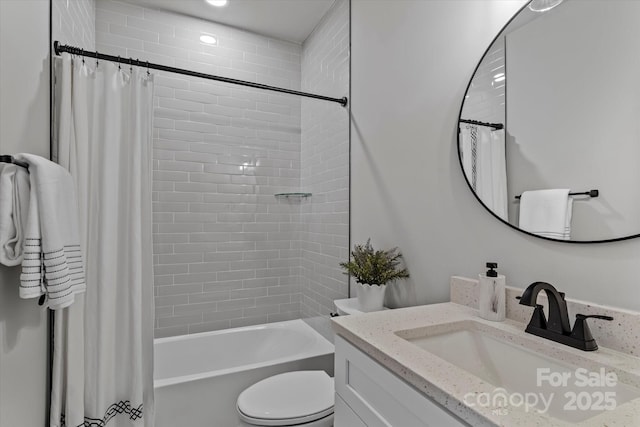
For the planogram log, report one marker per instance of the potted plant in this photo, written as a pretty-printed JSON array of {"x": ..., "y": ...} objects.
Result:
[{"x": 373, "y": 270}]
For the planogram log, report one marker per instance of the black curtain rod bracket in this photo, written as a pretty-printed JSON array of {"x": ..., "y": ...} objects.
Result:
[
  {"x": 590, "y": 193},
  {"x": 495, "y": 126},
  {"x": 61, "y": 48}
]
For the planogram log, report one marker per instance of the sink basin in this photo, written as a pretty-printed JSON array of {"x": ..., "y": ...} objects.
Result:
[{"x": 522, "y": 377}]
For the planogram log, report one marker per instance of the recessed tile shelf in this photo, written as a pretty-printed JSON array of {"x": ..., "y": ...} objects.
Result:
[{"x": 293, "y": 195}]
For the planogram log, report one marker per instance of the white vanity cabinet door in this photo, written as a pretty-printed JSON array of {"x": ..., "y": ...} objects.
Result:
[
  {"x": 378, "y": 397},
  {"x": 345, "y": 414}
]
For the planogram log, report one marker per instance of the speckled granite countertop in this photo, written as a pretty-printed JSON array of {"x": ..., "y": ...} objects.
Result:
[{"x": 447, "y": 384}]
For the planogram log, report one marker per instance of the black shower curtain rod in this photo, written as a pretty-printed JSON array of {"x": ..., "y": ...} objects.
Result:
[
  {"x": 496, "y": 126},
  {"x": 60, "y": 48}
]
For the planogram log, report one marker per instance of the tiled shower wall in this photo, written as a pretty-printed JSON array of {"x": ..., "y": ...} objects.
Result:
[
  {"x": 325, "y": 163},
  {"x": 74, "y": 22},
  {"x": 485, "y": 99},
  {"x": 226, "y": 251}
]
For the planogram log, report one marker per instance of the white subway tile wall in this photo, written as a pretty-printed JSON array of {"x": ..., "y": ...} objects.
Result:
[
  {"x": 325, "y": 163},
  {"x": 73, "y": 22},
  {"x": 485, "y": 99},
  {"x": 226, "y": 252}
]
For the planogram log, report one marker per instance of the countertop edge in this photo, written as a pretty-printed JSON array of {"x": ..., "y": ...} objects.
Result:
[{"x": 382, "y": 324}]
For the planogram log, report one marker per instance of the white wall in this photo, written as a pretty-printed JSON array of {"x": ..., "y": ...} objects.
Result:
[
  {"x": 24, "y": 127},
  {"x": 411, "y": 62},
  {"x": 74, "y": 22},
  {"x": 573, "y": 108}
]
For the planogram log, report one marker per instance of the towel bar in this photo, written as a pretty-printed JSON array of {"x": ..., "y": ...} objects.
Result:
[
  {"x": 590, "y": 193},
  {"x": 10, "y": 159}
]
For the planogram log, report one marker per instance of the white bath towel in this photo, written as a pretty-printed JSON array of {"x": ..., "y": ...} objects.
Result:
[
  {"x": 14, "y": 206},
  {"x": 547, "y": 213},
  {"x": 567, "y": 225},
  {"x": 52, "y": 262}
]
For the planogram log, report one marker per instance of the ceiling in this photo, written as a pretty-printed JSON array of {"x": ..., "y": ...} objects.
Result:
[{"x": 291, "y": 20}]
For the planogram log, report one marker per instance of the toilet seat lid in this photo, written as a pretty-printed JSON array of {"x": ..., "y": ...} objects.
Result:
[{"x": 307, "y": 395}]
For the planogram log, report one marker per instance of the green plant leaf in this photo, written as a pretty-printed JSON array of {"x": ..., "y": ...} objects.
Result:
[{"x": 375, "y": 267}]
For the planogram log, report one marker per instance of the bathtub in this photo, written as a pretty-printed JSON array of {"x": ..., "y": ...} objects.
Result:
[{"x": 198, "y": 377}]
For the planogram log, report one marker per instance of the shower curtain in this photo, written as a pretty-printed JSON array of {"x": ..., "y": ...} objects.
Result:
[
  {"x": 484, "y": 164},
  {"x": 103, "y": 344}
]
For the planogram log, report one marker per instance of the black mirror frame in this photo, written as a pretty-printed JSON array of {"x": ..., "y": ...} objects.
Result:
[{"x": 617, "y": 239}]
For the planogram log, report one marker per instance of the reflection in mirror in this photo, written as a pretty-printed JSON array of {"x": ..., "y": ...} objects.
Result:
[{"x": 552, "y": 113}]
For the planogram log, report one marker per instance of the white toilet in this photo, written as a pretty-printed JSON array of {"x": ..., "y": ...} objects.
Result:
[{"x": 299, "y": 398}]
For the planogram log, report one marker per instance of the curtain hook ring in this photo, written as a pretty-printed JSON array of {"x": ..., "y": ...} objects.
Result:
[
  {"x": 148, "y": 73},
  {"x": 119, "y": 62},
  {"x": 131, "y": 64},
  {"x": 97, "y": 63}
]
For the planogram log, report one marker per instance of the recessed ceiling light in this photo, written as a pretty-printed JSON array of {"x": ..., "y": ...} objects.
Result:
[
  {"x": 217, "y": 3},
  {"x": 543, "y": 5},
  {"x": 208, "y": 39}
]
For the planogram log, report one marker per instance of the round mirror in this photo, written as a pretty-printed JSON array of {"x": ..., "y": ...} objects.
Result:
[{"x": 549, "y": 130}]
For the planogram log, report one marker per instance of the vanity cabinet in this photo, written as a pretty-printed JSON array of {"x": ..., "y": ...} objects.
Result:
[{"x": 369, "y": 395}]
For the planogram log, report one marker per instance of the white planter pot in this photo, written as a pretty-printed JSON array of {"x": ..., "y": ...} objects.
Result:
[{"x": 370, "y": 297}]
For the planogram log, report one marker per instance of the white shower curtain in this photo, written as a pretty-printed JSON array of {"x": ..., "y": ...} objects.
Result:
[
  {"x": 103, "y": 344},
  {"x": 484, "y": 164}
]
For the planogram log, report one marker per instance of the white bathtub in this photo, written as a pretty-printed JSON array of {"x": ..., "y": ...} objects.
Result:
[{"x": 198, "y": 377}]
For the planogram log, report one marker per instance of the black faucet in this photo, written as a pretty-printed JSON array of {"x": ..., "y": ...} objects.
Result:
[{"x": 557, "y": 328}]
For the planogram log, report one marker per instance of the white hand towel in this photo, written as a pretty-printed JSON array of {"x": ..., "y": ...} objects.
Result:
[
  {"x": 567, "y": 225},
  {"x": 52, "y": 262},
  {"x": 546, "y": 213},
  {"x": 14, "y": 206}
]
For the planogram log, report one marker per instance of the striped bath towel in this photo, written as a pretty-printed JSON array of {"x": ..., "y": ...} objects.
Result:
[{"x": 52, "y": 263}]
